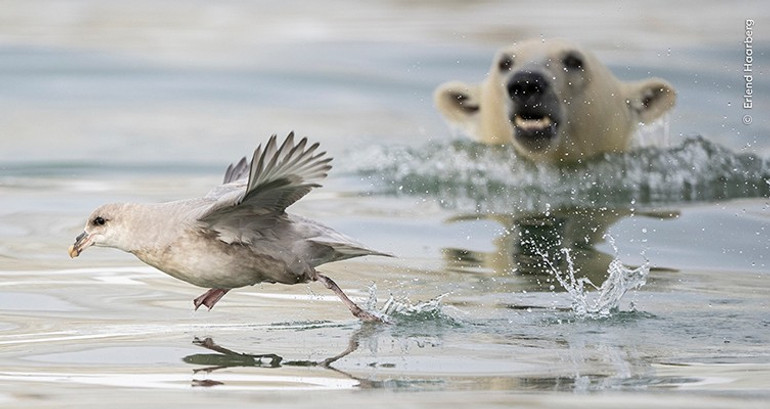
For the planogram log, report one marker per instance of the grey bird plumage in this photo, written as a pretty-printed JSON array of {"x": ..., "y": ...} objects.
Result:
[{"x": 238, "y": 234}]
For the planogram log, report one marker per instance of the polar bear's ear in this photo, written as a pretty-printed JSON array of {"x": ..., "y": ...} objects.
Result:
[
  {"x": 458, "y": 102},
  {"x": 650, "y": 98}
]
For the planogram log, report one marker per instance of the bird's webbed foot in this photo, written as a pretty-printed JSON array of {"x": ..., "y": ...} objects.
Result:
[{"x": 210, "y": 298}]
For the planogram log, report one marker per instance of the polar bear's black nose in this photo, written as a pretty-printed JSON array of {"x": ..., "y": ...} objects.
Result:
[{"x": 526, "y": 84}]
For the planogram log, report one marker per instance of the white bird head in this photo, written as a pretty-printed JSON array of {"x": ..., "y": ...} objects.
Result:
[{"x": 105, "y": 228}]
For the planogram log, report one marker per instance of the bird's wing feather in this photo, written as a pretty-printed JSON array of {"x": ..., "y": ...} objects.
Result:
[
  {"x": 345, "y": 250},
  {"x": 237, "y": 171},
  {"x": 277, "y": 177}
]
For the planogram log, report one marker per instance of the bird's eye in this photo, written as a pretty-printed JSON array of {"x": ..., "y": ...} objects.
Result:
[
  {"x": 572, "y": 61},
  {"x": 99, "y": 221}
]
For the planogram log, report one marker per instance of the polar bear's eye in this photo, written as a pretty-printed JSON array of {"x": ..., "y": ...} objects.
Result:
[
  {"x": 572, "y": 61},
  {"x": 505, "y": 63}
]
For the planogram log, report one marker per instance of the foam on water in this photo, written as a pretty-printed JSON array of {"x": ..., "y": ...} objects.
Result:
[{"x": 466, "y": 175}]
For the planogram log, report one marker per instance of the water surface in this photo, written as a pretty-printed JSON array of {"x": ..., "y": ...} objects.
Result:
[{"x": 106, "y": 101}]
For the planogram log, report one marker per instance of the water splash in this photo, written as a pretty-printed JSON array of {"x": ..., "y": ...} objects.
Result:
[
  {"x": 466, "y": 175},
  {"x": 606, "y": 299},
  {"x": 655, "y": 133},
  {"x": 403, "y": 311}
]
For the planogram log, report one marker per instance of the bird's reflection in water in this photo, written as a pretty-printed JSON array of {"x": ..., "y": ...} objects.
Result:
[
  {"x": 226, "y": 358},
  {"x": 599, "y": 378},
  {"x": 529, "y": 238}
]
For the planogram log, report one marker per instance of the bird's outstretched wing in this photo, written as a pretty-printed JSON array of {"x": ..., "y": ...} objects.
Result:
[
  {"x": 237, "y": 171},
  {"x": 277, "y": 177}
]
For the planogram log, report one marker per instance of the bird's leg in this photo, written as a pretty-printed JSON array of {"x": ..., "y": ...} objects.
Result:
[
  {"x": 357, "y": 311},
  {"x": 210, "y": 297}
]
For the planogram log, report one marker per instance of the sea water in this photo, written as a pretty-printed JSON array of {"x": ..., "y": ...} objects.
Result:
[{"x": 146, "y": 101}]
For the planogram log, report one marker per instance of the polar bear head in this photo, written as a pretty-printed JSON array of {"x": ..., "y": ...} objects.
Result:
[{"x": 553, "y": 101}]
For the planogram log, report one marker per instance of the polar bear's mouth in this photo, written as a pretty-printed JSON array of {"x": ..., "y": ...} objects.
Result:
[
  {"x": 536, "y": 131},
  {"x": 530, "y": 123}
]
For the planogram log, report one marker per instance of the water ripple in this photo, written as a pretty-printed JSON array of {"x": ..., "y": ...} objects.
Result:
[{"x": 466, "y": 175}]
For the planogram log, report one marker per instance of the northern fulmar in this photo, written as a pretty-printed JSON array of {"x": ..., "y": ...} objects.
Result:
[{"x": 239, "y": 234}]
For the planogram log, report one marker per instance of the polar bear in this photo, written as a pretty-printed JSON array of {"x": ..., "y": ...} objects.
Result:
[{"x": 554, "y": 102}]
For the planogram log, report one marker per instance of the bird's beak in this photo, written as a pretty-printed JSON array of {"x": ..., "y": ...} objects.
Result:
[{"x": 82, "y": 242}]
